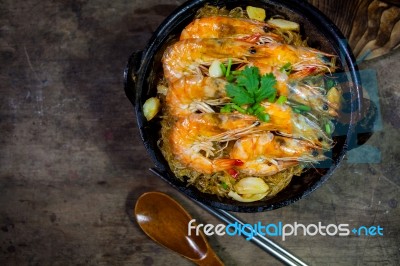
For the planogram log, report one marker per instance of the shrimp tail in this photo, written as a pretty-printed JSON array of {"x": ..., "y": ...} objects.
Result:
[{"x": 227, "y": 163}]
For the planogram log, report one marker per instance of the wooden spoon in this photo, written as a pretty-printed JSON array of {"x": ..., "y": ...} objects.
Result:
[{"x": 166, "y": 222}]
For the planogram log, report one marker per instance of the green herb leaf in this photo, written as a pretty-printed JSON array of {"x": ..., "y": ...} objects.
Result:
[
  {"x": 248, "y": 87},
  {"x": 239, "y": 95},
  {"x": 267, "y": 89},
  {"x": 249, "y": 84},
  {"x": 249, "y": 79},
  {"x": 272, "y": 97}
]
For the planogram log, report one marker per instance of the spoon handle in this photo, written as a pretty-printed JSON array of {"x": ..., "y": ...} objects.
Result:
[{"x": 210, "y": 259}]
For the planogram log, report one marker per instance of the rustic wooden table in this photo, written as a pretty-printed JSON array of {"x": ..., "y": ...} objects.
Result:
[{"x": 72, "y": 162}]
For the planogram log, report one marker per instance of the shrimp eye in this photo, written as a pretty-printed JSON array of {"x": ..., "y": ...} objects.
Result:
[
  {"x": 252, "y": 50},
  {"x": 265, "y": 29},
  {"x": 281, "y": 142},
  {"x": 325, "y": 107},
  {"x": 320, "y": 139},
  {"x": 314, "y": 153}
]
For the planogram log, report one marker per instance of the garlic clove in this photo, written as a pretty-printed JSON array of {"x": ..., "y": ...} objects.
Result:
[
  {"x": 247, "y": 197},
  {"x": 151, "y": 107},
  {"x": 251, "y": 185},
  {"x": 215, "y": 69},
  {"x": 284, "y": 24}
]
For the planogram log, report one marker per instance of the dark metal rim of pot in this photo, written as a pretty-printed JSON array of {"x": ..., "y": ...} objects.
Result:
[{"x": 141, "y": 71}]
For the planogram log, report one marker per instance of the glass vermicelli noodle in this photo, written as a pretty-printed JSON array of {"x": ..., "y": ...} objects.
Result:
[{"x": 246, "y": 104}]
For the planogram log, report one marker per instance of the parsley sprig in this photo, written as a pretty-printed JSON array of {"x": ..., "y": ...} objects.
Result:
[{"x": 247, "y": 89}]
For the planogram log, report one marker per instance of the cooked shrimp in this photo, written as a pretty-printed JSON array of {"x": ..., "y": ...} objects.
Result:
[
  {"x": 282, "y": 120},
  {"x": 300, "y": 126},
  {"x": 186, "y": 56},
  {"x": 270, "y": 148},
  {"x": 304, "y": 61},
  {"x": 195, "y": 93},
  {"x": 191, "y": 141},
  {"x": 290, "y": 124},
  {"x": 226, "y": 27},
  {"x": 312, "y": 96}
]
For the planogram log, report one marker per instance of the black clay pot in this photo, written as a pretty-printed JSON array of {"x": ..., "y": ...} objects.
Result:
[{"x": 145, "y": 66}]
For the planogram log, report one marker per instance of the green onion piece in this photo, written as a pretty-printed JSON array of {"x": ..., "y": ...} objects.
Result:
[
  {"x": 224, "y": 185},
  {"x": 223, "y": 68},
  {"x": 228, "y": 69},
  {"x": 281, "y": 100},
  {"x": 258, "y": 109},
  {"x": 328, "y": 128},
  {"x": 329, "y": 84},
  {"x": 250, "y": 110},
  {"x": 226, "y": 109},
  {"x": 230, "y": 78},
  {"x": 236, "y": 72},
  {"x": 296, "y": 110},
  {"x": 271, "y": 98},
  {"x": 263, "y": 117},
  {"x": 305, "y": 108},
  {"x": 238, "y": 108},
  {"x": 286, "y": 67}
]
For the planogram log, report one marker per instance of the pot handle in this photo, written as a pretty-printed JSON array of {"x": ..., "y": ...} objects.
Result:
[{"x": 130, "y": 75}]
